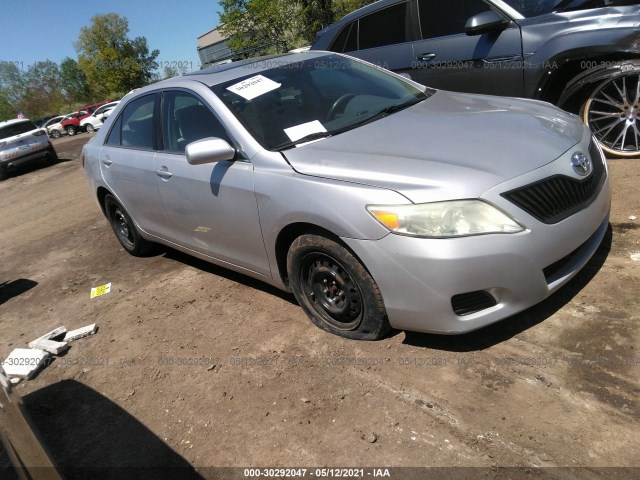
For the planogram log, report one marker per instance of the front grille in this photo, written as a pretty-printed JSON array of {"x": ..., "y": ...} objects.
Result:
[
  {"x": 558, "y": 197},
  {"x": 472, "y": 302}
]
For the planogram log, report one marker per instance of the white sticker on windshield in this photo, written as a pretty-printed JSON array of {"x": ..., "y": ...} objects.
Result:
[
  {"x": 254, "y": 87},
  {"x": 301, "y": 131}
]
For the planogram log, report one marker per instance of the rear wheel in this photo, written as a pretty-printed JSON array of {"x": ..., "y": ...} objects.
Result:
[
  {"x": 335, "y": 290},
  {"x": 89, "y": 128},
  {"x": 3, "y": 174},
  {"x": 52, "y": 157},
  {"x": 124, "y": 228},
  {"x": 55, "y": 133},
  {"x": 612, "y": 112}
]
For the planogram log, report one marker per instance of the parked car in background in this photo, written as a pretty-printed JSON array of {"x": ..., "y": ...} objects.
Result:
[
  {"x": 582, "y": 55},
  {"x": 72, "y": 124},
  {"x": 42, "y": 121},
  {"x": 379, "y": 202},
  {"x": 21, "y": 142},
  {"x": 51, "y": 122},
  {"x": 95, "y": 120},
  {"x": 27, "y": 454},
  {"x": 56, "y": 130}
]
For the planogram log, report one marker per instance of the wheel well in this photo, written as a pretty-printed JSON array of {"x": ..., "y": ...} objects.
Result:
[
  {"x": 102, "y": 192},
  {"x": 553, "y": 86},
  {"x": 288, "y": 235}
]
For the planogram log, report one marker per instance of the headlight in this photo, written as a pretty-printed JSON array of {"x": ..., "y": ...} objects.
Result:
[{"x": 459, "y": 218}]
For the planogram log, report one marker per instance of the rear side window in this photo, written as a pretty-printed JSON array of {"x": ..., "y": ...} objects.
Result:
[
  {"x": 134, "y": 127},
  {"x": 385, "y": 27},
  {"x": 347, "y": 41},
  {"x": 17, "y": 129},
  {"x": 440, "y": 19}
]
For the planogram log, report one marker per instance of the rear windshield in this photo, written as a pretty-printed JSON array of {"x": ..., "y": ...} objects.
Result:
[
  {"x": 533, "y": 8},
  {"x": 17, "y": 129}
]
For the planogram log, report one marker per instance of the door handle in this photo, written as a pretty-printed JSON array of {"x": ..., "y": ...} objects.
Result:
[
  {"x": 425, "y": 57},
  {"x": 164, "y": 173},
  {"x": 107, "y": 161}
]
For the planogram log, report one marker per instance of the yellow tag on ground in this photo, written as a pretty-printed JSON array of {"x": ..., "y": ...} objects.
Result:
[{"x": 101, "y": 290}]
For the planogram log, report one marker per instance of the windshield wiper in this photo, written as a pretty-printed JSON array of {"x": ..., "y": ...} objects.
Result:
[{"x": 306, "y": 138}]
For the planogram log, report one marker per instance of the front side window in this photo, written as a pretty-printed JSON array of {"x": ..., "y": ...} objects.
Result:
[
  {"x": 439, "y": 19},
  {"x": 385, "y": 27},
  {"x": 134, "y": 127},
  {"x": 323, "y": 96},
  {"x": 185, "y": 120}
]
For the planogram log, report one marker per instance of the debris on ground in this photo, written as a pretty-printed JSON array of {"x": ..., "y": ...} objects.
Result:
[
  {"x": 79, "y": 333},
  {"x": 24, "y": 362},
  {"x": 101, "y": 290},
  {"x": 48, "y": 344}
]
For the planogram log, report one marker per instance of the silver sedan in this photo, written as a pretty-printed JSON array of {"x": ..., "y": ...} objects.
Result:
[{"x": 377, "y": 201}]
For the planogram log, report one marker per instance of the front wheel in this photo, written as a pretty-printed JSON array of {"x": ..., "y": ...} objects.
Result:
[
  {"x": 71, "y": 131},
  {"x": 612, "y": 112},
  {"x": 55, "y": 134},
  {"x": 89, "y": 128},
  {"x": 124, "y": 228},
  {"x": 335, "y": 290}
]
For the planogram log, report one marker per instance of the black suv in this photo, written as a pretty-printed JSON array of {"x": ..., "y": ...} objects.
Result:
[{"x": 582, "y": 55}]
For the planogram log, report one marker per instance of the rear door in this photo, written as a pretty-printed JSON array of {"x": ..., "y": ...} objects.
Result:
[
  {"x": 447, "y": 58},
  {"x": 126, "y": 162}
]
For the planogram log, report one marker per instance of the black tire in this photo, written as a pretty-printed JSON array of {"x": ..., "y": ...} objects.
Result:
[
  {"x": 335, "y": 290},
  {"x": 55, "y": 134},
  {"x": 3, "y": 174},
  {"x": 89, "y": 128},
  {"x": 612, "y": 111},
  {"x": 124, "y": 228},
  {"x": 71, "y": 131},
  {"x": 52, "y": 158}
]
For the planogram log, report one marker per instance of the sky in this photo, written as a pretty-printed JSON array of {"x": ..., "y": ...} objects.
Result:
[{"x": 35, "y": 30}]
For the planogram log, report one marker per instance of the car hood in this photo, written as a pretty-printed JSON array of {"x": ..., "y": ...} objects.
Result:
[{"x": 449, "y": 146}]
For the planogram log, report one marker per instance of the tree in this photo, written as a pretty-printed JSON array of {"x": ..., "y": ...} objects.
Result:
[
  {"x": 42, "y": 93},
  {"x": 110, "y": 60},
  {"x": 11, "y": 86},
  {"x": 258, "y": 27},
  {"x": 73, "y": 82}
]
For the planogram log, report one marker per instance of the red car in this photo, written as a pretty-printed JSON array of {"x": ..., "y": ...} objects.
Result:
[{"x": 72, "y": 125}]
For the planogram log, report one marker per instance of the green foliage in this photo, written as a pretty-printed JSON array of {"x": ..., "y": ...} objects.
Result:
[
  {"x": 73, "y": 81},
  {"x": 260, "y": 27},
  {"x": 110, "y": 60}
]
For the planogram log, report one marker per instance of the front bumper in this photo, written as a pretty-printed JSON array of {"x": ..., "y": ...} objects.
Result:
[{"x": 418, "y": 277}]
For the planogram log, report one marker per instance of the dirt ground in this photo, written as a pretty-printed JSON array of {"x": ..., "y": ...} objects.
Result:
[{"x": 195, "y": 365}]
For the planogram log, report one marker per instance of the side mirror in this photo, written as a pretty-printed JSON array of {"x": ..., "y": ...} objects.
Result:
[
  {"x": 209, "y": 150},
  {"x": 486, "y": 22}
]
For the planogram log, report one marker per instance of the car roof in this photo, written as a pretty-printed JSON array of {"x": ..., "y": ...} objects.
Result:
[
  {"x": 14, "y": 121},
  {"x": 230, "y": 71}
]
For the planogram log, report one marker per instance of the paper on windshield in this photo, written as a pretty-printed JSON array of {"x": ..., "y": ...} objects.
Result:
[
  {"x": 301, "y": 131},
  {"x": 254, "y": 87}
]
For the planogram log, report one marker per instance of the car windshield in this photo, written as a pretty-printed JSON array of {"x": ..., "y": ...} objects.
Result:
[
  {"x": 293, "y": 103},
  {"x": 16, "y": 129},
  {"x": 533, "y": 8}
]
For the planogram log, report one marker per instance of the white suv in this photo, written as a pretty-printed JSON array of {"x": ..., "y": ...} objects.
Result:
[
  {"x": 21, "y": 142},
  {"x": 94, "y": 122}
]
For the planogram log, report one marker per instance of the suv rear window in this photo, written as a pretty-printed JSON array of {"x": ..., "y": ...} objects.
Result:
[{"x": 17, "y": 129}]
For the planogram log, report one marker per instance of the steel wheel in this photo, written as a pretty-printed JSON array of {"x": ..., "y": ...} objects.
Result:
[
  {"x": 329, "y": 288},
  {"x": 613, "y": 114},
  {"x": 335, "y": 290},
  {"x": 124, "y": 228}
]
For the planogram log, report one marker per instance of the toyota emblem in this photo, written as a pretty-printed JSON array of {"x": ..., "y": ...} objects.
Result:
[{"x": 581, "y": 164}]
